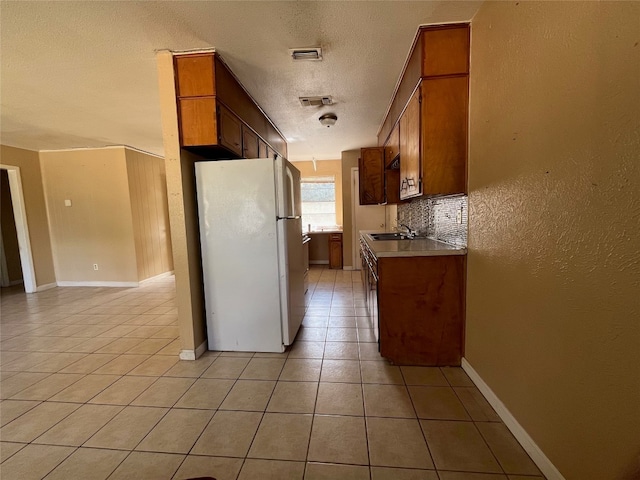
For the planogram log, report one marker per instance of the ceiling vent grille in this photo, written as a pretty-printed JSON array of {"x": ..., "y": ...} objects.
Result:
[
  {"x": 316, "y": 101},
  {"x": 306, "y": 53}
]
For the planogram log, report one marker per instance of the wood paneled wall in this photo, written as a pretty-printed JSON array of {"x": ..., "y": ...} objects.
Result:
[{"x": 148, "y": 192}]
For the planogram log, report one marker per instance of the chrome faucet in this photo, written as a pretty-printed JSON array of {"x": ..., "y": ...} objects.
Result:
[{"x": 410, "y": 232}]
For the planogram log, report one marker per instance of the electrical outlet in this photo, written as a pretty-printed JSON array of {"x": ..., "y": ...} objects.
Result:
[
  {"x": 95, "y": 266},
  {"x": 459, "y": 216}
]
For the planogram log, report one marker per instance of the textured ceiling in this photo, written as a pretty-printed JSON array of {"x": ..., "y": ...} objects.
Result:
[{"x": 83, "y": 74}]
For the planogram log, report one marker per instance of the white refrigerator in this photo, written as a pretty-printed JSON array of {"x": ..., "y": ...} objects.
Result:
[{"x": 252, "y": 256}]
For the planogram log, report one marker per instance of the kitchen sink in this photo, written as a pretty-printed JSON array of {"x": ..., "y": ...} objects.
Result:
[{"x": 389, "y": 236}]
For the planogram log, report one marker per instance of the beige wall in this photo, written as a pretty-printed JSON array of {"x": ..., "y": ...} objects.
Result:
[
  {"x": 29, "y": 164},
  {"x": 349, "y": 161},
  {"x": 150, "y": 214},
  {"x": 10, "y": 246},
  {"x": 325, "y": 168},
  {"x": 97, "y": 228},
  {"x": 553, "y": 302},
  {"x": 183, "y": 216}
]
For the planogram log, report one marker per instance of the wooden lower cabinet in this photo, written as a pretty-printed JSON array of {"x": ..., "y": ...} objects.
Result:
[
  {"x": 335, "y": 250},
  {"x": 421, "y": 309}
]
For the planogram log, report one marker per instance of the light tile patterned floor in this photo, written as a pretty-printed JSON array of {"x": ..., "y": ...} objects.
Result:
[{"x": 91, "y": 388}]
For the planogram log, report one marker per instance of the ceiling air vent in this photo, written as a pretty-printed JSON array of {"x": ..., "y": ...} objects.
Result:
[
  {"x": 316, "y": 101},
  {"x": 306, "y": 53}
]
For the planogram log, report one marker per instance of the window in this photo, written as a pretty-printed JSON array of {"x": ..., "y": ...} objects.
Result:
[{"x": 318, "y": 201}]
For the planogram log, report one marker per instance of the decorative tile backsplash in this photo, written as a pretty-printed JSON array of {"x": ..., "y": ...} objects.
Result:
[{"x": 437, "y": 217}]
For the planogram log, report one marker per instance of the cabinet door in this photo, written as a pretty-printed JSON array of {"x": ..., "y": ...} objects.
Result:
[
  {"x": 392, "y": 147},
  {"x": 262, "y": 149},
  {"x": 410, "y": 165},
  {"x": 371, "y": 175},
  {"x": 444, "y": 133},
  {"x": 270, "y": 152},
  {"x": 392, "y": 186},
  {"x": 445, "y": 50},
  {"x": 249, "y": 143},
  {"x": 198, "y": 124},
  {"x": 335, "y": 250},
  {"x": 229, "y": 130},
  {"x": 194, "y": 75}
]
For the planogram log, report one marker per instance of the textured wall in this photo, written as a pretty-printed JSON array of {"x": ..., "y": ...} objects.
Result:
[
  {"x": 97, "y": 228},
  {"x": 554, "y": 225},
  {"x": 32, "y": 188},
  {"x": 148, "y": 192},
  {"x": 437, "y": 217}
]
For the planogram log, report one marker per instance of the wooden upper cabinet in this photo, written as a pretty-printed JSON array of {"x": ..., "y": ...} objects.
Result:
[
  {"x": 444, "y": 134},
  {"x": 270, "y": 152},
  {"x": 205, "y": 85},
  {"x": 392, "y": 186},
  {"x": 371, "y": 176},
  {"x": 249, "y": 143},
  {"x": 410, "y": 160},
  {"x": 230, "y": 130},
  {"x": 392, "y": 147},
  {"x": 263, "y": 149},
  {"x": 445, "y": 50},
  {"x": 194, "y": 76},
  {"x": 198, "y": 121}
]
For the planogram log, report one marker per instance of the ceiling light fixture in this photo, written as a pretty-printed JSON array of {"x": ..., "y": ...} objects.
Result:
[{"x": 328, "y": 119}]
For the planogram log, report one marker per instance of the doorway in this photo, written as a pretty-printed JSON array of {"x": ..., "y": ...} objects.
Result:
[
  {"x": 21, "y": 230},
  {"x": 365, "y": 217}
]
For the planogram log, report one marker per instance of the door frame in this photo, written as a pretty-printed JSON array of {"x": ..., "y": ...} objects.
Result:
[
  {"x": 355, "y": 243},
  {"x": 20, "y": 216}
]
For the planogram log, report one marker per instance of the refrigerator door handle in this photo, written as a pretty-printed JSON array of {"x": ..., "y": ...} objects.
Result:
[{"x": 288, "y": 218}]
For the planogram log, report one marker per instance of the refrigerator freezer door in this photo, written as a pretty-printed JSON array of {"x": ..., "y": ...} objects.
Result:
[
  {"x": 239, "y": 242},
  {"x": 287, "y": 189},
  {"x": 291, "y": 259}
]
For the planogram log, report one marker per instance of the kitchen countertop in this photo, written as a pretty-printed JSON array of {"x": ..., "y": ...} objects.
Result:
[
  {"x": 326, "y": 230},
  {"x": 417, "y": 247}
]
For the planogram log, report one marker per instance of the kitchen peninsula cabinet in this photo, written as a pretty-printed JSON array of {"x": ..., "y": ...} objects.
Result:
[
  {"x": 217, "y": 118},
  {"x": 421, "y": 309},
  {"x": 419, "y": 298}
]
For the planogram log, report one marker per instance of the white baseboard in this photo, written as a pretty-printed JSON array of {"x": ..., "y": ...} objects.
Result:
[
  {"x": 156, "y": 277},
  {"x": 97, "y": 284},
  {"x": 535, "y": 452},
  {"x": 193, "y": 354},
  {"x": 47, "y": 286}
]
